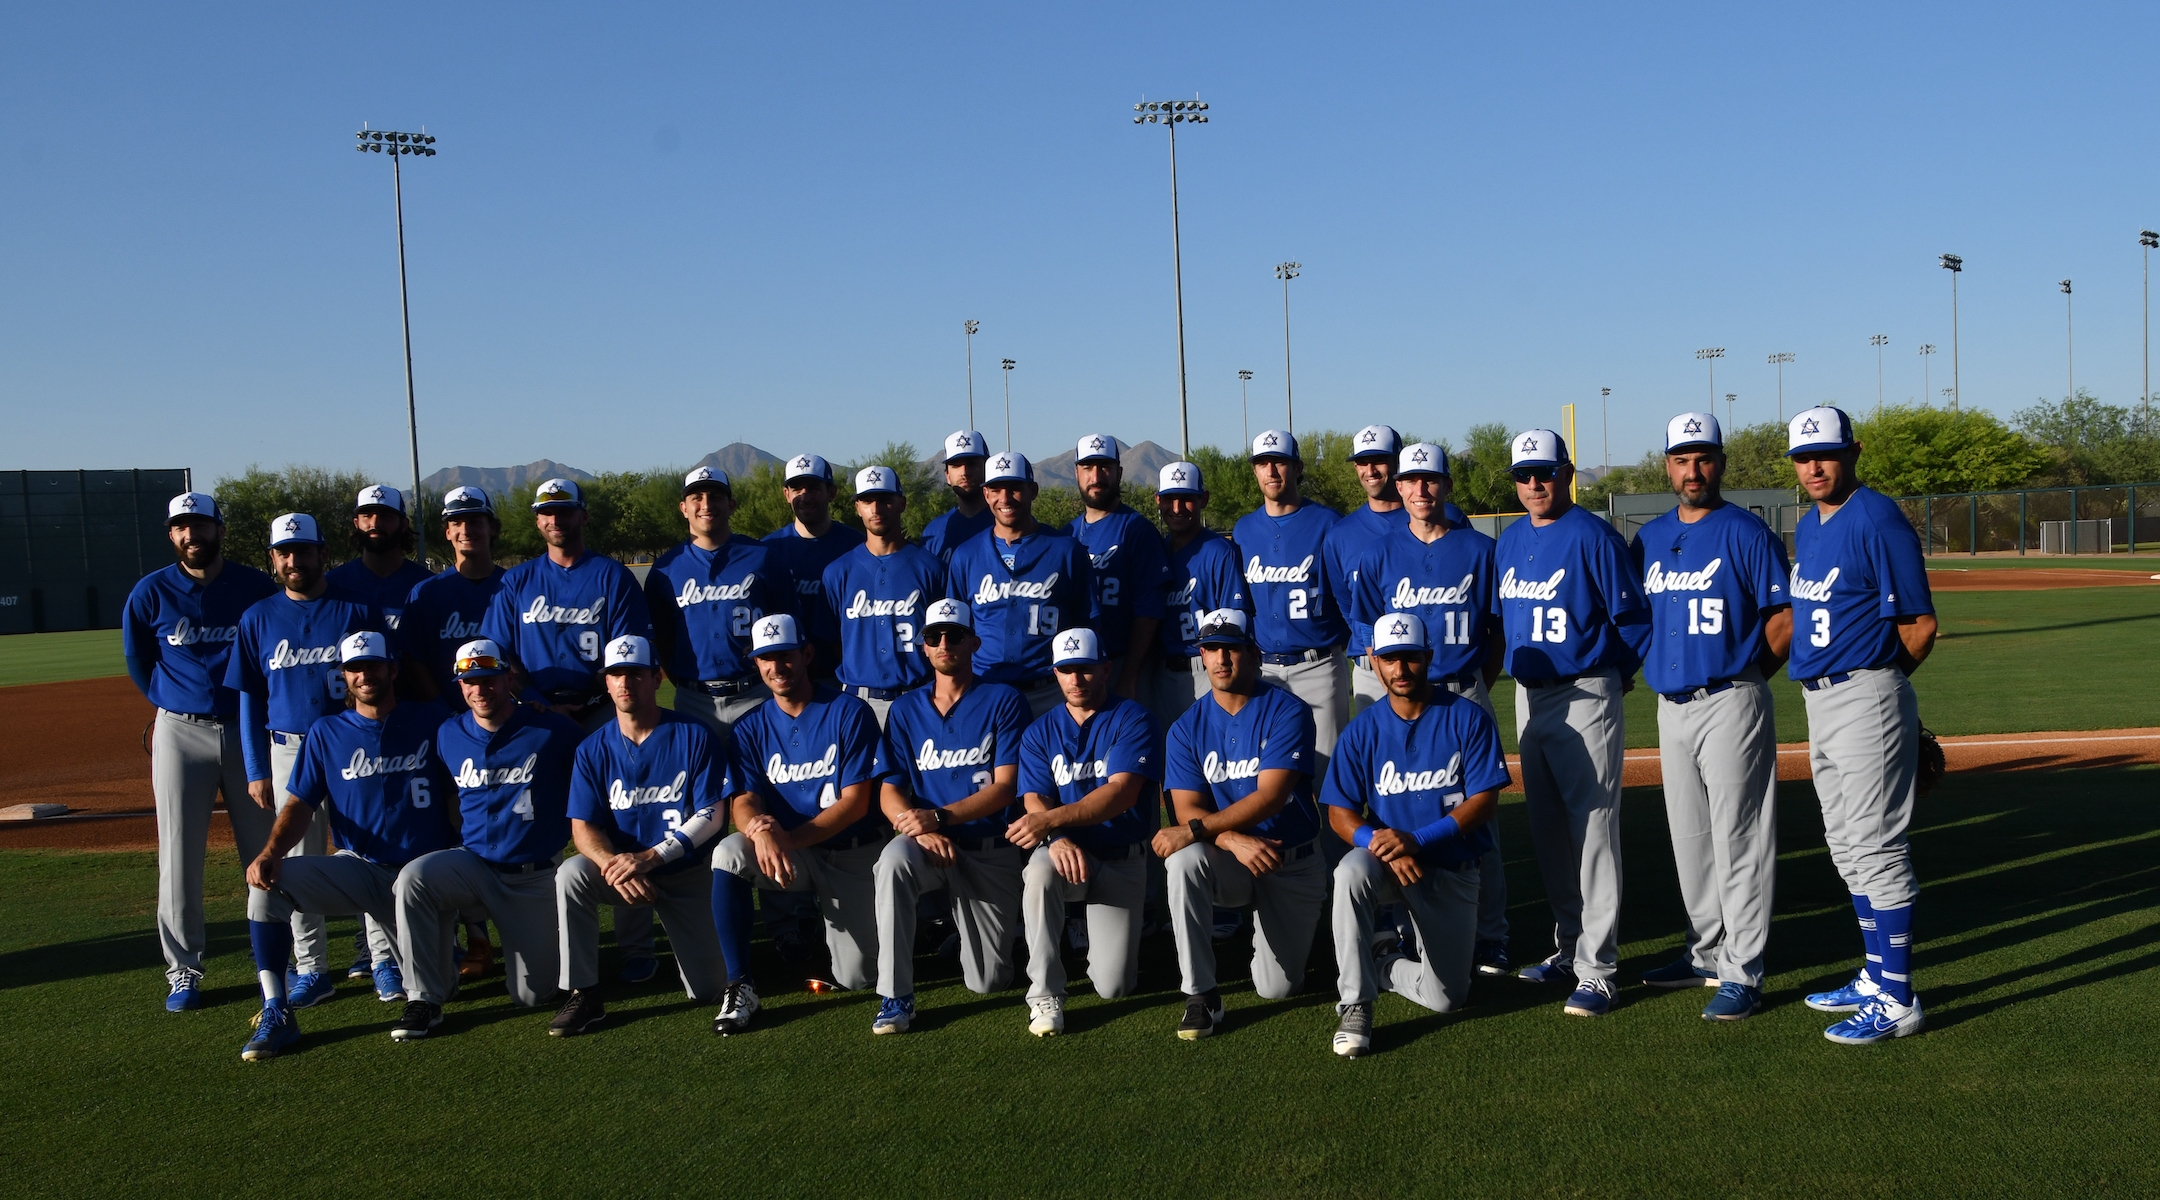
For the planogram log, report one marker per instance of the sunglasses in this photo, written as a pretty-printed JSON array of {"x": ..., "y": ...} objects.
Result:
[
  {"x": 936, "y": 634},
  {"x": 479, "y": 662},
  {"x": 1539, "y": 474}
]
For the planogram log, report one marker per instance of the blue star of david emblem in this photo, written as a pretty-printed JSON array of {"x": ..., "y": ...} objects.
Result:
[
  {"x": 1529, "y": 445},
  {"x": 1269, "y": 440},
  {"x": 1809, "y": 426},
  {"x": 1418, "y": 457},
  {"x": 1693, "y": 426},
  {"x": 1371, "y": 437}
]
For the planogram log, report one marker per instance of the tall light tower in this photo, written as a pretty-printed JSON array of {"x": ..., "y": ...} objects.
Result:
[
  {"x": 1171, "y": 114},
  {"x": 398, "y": 146},
  {"x": 1008, "y": 365},
  {"x": 2069, "y": 346},
  {"x": 1956, "y": 266},
  {"x": 1711, "y": 356},
  {"x": 1927, "y": 382},
  {"x": 1244, "y": 388},
  {"x": 969, "y": 328},
  {"x": 1779, "y": 360},
  {"x": 1605, "y": 421},
  {"x": 1287, "y": 271},
  {"x": 1878, "y": 341},
  {"x": 2149, "y": 240},
  {"x": 1729, "y": 398}
]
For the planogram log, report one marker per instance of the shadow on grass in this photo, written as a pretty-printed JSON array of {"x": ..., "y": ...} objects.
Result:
[{"x": 1962, "y": 634}]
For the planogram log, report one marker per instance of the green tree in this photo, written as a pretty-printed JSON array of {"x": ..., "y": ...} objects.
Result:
[
  {"x": 922, "y": 483},
  {"x": 1483, "y": 483},
  {"x": 2088, "y": 442},
  {"x": 256, "y": 497},
  {"x": 1911, "y": 450}
]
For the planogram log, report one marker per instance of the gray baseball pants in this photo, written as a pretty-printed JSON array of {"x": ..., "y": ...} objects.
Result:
[
  {"x": 1323, "y": 684},
  {"x": 633, "y": 922},
  {"x": 335, "y": 885},
  {"x": 1719, "y": 757},
  {"x": 1443, "y": 908},
  {"x": 311, "y": 934},
  {"x": 193, "y": 760},
  {"x": 985, "y": 889},
  {"x": 844, "y": 883},
  {"x": 719, "y": 713},
  {"x": 1171, "y": 691},
  {"x": 684, "y": 907},
  {"x": 1492, "y": 871},
  {"x": 1864, "y": 746},
  {"x": 1116, "y": 895},
  {"x": 1365, "y": 686},
  {"x": 1286, "y": 905},
  {"x": 434, "y": 888},
  {"x": 1572, "y": 740}
]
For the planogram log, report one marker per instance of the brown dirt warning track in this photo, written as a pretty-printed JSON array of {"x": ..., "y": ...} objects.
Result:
[{"x": 2036, "y": 579}]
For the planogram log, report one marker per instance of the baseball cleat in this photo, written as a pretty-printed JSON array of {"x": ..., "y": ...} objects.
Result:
[
  {"x": 309, "y": 988},
  {"x": 275, "y": 1030},
  {"x": 1076, "y": 934},
  {"x": 363, "y": 962},
  {"x": 893, "y": 1014},
  {"x": 1046, "y": 1016},
  {"x": 1850, "y": 998},
  {"x": 578, "y": 1014},
  {"x": 639, "y": 970},
  {"x": 1490, "y": 958},
  {"x": 478, "y": 957},
  {"x": 1679, "y": 973},
  {"x": 186, "y": 994},
  {"x": 1227, "y": 922},
  {"x": 1592, "y": 998},
  {"x": 1879, "y": 1020},
  {"x": 737, "y": 1006},
  {"x": 1552, "y": 970},
  {"x": 1203, "y": 1016},
  {"x": 389, "y": 983},
  {"x": 420, "y": 1020},
  {"x": 1733, "y": 1002},
  {"x": 1353, "y": 1035}
]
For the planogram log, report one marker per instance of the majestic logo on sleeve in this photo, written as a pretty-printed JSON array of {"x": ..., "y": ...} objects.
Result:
[
  {"x": 1407, "y": 596},
  {"x": 990, "y": 590},
  {"x": 930, "y": 758},
  {"x": 694, "y": 592},
  {"x": 187, "y": 633},
  {"x": 779, "y": 770},
  {"x": 363, "y": 767},
  {"x": 470, "y": 777},
  {"x": 620, "y": 797},
  {"x": 863, "y": 606},
  {"x": 1255, "y": 572},
  {"x": 285, "y": 656},
  {"x": 1220, "y": 770},
  {"x": 1512, "y": 588},
  {"x": 540, "y": 612},
  {"x": 1657, "y": 579},
  {"x": 1395, "y": 782},
  {"x": 1083, "y": 771},
  {"x": 1815, "y": 591}
]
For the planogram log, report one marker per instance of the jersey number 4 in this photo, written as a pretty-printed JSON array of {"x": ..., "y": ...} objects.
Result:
[{"x": 1548, "y": 624}]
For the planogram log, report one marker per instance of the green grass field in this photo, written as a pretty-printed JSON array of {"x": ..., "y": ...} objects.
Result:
[
  {"x": 58, "y": 657},
  {"x": 2037, "y": 962}
]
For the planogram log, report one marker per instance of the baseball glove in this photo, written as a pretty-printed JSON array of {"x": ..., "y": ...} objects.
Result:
[{"x": 1933, "y": 766}]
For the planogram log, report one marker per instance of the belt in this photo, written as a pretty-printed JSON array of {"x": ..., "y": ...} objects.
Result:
[
  {"x": 531, "y": 868},
  {"x": 725, "y": 687},
  {"x": 995, "y": 841},
  {"x": 849, "y": 841},
  {"x": 1304, "y": 851},
  {"x": 198, "y": 718},
  {"x": 583, "y": 697},
  {"x": 1826, "y": 681},
  {"x": 1701, "y": 693},
  {"x": 1178, "y": 663},
  {"x": 871, "y": 693},
  {"x": 1119, "y": 853},
  {"x": 1302, "y": 656},
  {"x": 287, "y": 739},
  {"x": 1463, "y": 680},
  {"x": 1555, "y": 681}
]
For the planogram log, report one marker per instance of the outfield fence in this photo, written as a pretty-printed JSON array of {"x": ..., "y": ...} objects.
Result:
[{"x": 2115, "y": 519}]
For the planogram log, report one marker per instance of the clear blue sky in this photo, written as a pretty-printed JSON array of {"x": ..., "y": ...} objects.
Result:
[{"x": 652, "y": 231}]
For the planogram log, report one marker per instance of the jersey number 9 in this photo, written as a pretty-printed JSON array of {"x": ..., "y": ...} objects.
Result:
[{"x": 588, "y": 645}]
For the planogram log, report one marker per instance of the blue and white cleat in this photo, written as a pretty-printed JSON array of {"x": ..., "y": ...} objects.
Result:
[
  {"x": 1850, "y": 998},
  {"x": 1592, "y": 998},
  {"x": 1679, "y": 973},
  {"x": 1879, "y": 1020},
  {"x": 275, "y": 1031},
  {"x": 363, "y": 959},
  {"x": 1733, "y": 1002},
  {"x": 1552, "y": 970},
  {"x": 186, "y": 994},
  {"x": 309, "y": 988},
  {"x": 893, "y": 1015},
  {"x": 389, "y": 983}
]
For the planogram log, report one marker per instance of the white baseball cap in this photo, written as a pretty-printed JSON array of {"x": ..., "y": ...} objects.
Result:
[
  {"x": 1275, "y": 443},
  {"x": 1076, "y": 647},
  {"x": 366, "y": 646},
  {"x": 1693, "y": 429},
  {"x": 1180, "y": 479},
  {"x": 292, "y": 528},
  {"x": 462, "y": 500},
  {"x": 706, "y": 477},
  {"x": 193, "y": 504},
  {"x": 966, "y": 443},
  {"x": 1009, "y": 466},
  {"x": 807, "y": 466},
  {"x": 557, "y": 493},
  {"x": 1822, "y": 428},
  {"x": 381, "y": 496},
  {"x": 1399, "y": 633},
  {"x": 1538, "y": 448},
  {"x": 1421, "y": 458},
  {"x": 774, "y": 634},
  {"x": 948, "y": 612},
  {"x": 1225, "y": 627},
  {"x": 1096, "y": 447},
  {"x": 1375, "y": 441},
  {"x": 629, "y": 650},
  {"x": 877, "y": 481},
  {"x": 478, "y": 659}
]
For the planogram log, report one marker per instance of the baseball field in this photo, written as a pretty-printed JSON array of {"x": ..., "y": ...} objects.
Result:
[{"x": 2038, "y": 961}]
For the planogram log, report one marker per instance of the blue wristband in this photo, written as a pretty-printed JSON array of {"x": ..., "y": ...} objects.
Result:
[
  {"x": 1439, "y": 830},
  {"x": 1362, "y": 839}
]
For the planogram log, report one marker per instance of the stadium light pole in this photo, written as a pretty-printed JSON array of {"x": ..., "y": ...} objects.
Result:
[
  {"x": 1927, "y": 383},
  {"x": 2069, "y": 346},
  {"x": 2148, "y": 239},
  {"x": 1711, "y": 356},
  {"x": 1956, "y": 266},
  {"x": 399, "y": 146},
  {"x": 1779, "y": 360},
  {"x": 1170, "y": 114},
  {"x": 1244, "y": 387},
  {"x": 1287, "y": 271},
  {"x": 1729, "y": 398},
  {"x": 1605, "y": 421},
  {"x": 969, "y": 328},
  {"x": 1878, "y": 341},
  {"x": 1008, "y": 365}
]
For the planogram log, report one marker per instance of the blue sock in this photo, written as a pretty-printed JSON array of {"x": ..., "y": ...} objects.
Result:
[
  {"x": 1893, "y": 926},
  {"x": 1870, "y": 939},
  {"x": 272, "y": 941},
  {"x": 731, "y": 911}
]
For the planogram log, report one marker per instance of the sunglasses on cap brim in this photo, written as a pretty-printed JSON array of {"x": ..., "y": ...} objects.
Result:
[
  {"x": 1539, "y": 474},
  {"x": 478, "y": 662}
]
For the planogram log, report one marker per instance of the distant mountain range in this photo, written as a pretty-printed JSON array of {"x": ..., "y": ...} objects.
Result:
[{"x": 1142, "y": 464}]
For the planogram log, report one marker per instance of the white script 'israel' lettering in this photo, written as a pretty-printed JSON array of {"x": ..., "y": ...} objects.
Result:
[
  {"x": 990, "y": 590},
  {"x": 1409, "y": 597},
  {"x": 863, "y": 606},
  {"x": 363, "y": 767},
  {"x": 930, "y": 758},
  {"x": 1256, "y": 573},
  {"x": 779, "y": 770},
  {"x": 285, "y": 656},
  {"x": 1657, "y": 579},
  {"x": 185, "y": 633},
  {"x": 1811, "y": 590},
  {"x": 540, "y": 612},
  {"x": 620, "y": 797},
  {"x": 1394, "y": 782},
  {"x": 470, "y": 776},
  {"x": 1512, "y": 588},
  {"x": 694, "y": 592}
]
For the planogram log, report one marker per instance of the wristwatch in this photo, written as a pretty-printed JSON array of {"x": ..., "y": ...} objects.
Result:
[
  {"x": 937, "y": 818},
  {"x": 1199, "y": 830}
]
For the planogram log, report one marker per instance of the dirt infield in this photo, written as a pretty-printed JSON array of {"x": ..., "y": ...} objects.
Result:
[{"x": 2035, "y": 579}]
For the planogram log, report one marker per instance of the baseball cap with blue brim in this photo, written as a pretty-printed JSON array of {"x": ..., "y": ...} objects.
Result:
[
  {"x": 1819, "y": 429},
  {"x": 807, "y": 466},
  {"x": 1692, "y": 429},
  {"x": 706, "y": 477},
  {"x": 1008, "y": 467},
  {"x": 948, "y": 612},
  {"x": 465, "y": 501},
  {"x": 629, "y": 650},
  {"x": 775, "y": 634},
  {"x": 1096, "y": 447},
  {"x": 1225, "y": 627},
  {"x": 1076, "y": 648},
  {"x": 294, "y": 529},
  {"x": 380, "y": 496},
  {"x": 1180, "y": 479},
  {"x": 966, "y": 443},
  {"x": 1538, "y": 448},
  {"x": 478, "y": 659},
  {"x": 365, "y": 646},
  {"x": 193, "y": 504},
  {"x": 877, "y": 481},
  {"x": 557, "y": 493},
  {"x": 1275, "y": 443},
  {"x": 1399, "y": 633},
  {"x": 1422, "y": 458},
  {"x": 1375, "y": 441}
]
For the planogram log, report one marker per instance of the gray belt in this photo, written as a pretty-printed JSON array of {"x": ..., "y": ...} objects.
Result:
[{"x": 725, "y": 687}]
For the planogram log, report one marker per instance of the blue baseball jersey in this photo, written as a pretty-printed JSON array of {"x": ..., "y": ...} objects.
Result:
[
  {"x": 942, "y": 759},
  {"x": 798, "y": 766},
  {"x": 1568, "y": 599},
  {"x": 1410, "y": 774},
  {"x": 877, "y": 604},
  {"x": 1852, "y": 577},
  {"x": 556, "y": 620},
  {"x": 1448, "y": 583},
  {"x": 1018, "y": 609},
  {"x": 1345, "y": 547},
  {"x": 513, "y": 784},
  {"x": 1710, "y": 586},
  {"x": 639, "y": 793},
  {"x": 388, "y": 593},
  {"x": 1203, "y": 575},
  {"x": 284, "y": 664},
  {"x": 705, "y": 601},
  {"x": 391, "y": 798},
  {"x": 1220, "y": 755},
  {"x": 1062, "y": 761},
  {"x": 949, "y": 530},
  {"x": 804, "y": 560},
  {"x": 182, "y": 633},
  {"x": 1126, "y": 559},
  {"x": 1294, "y": 608},
  {"x": 443, "y": 613}
]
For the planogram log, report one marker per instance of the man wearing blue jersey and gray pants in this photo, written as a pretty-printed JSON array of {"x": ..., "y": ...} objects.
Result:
[
  {"x": 1714, "y": 576},
  {"x": 1126, "y": 557},
  {"x": 1023, "y": 583},
  {"x": 877, "y": 594},
  {"x": 1373, "y": 451},
  {"x": 704, "y": 596},
  {"x": 1298, "y": 618},
  {"x": 1203, "y": 574},
  {"x": 965, "y": 454}
]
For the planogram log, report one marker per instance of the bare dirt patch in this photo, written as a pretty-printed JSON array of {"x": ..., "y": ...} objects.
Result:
[{"x": 2035, "y": 579}]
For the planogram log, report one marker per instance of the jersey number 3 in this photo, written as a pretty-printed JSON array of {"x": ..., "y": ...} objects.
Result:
[{"x": 1820, "y": 634}]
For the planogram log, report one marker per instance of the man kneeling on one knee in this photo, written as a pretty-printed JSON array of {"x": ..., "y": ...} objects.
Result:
[{"x": 1414, "y": 788}]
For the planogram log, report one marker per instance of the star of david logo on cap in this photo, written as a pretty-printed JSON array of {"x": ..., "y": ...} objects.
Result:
[
  {"x": 801, "y": 463},
  {"x": 1809, "y": 426},
  {"x": 772, "y": 629},
  {"x": 1095, "y": 444},
  {"x": 1072, "y": 643},
  {"x": 1371, "y": 437},
  {"x": 1401, "y": 628},
  {"x": 1692, "y": 426},
  {"x": 1269, "y": 440},
  {"x": 187, "y": 504},
  {"x": 1529, "y": 444},
  {"x": 552, "y": 492},
  {"x": 1178, "y": 475},
  {"x": 292, "y": 524},
  {"x": 1419, "y": 455},
  {"x": 623, "y": 647}
]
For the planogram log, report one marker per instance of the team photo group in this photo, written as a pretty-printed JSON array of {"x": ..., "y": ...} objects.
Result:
[{"x": 1077, "y": 735}]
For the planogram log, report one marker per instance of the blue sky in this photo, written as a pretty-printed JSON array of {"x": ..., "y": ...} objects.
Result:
[{"x": 651, "y": 231}]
